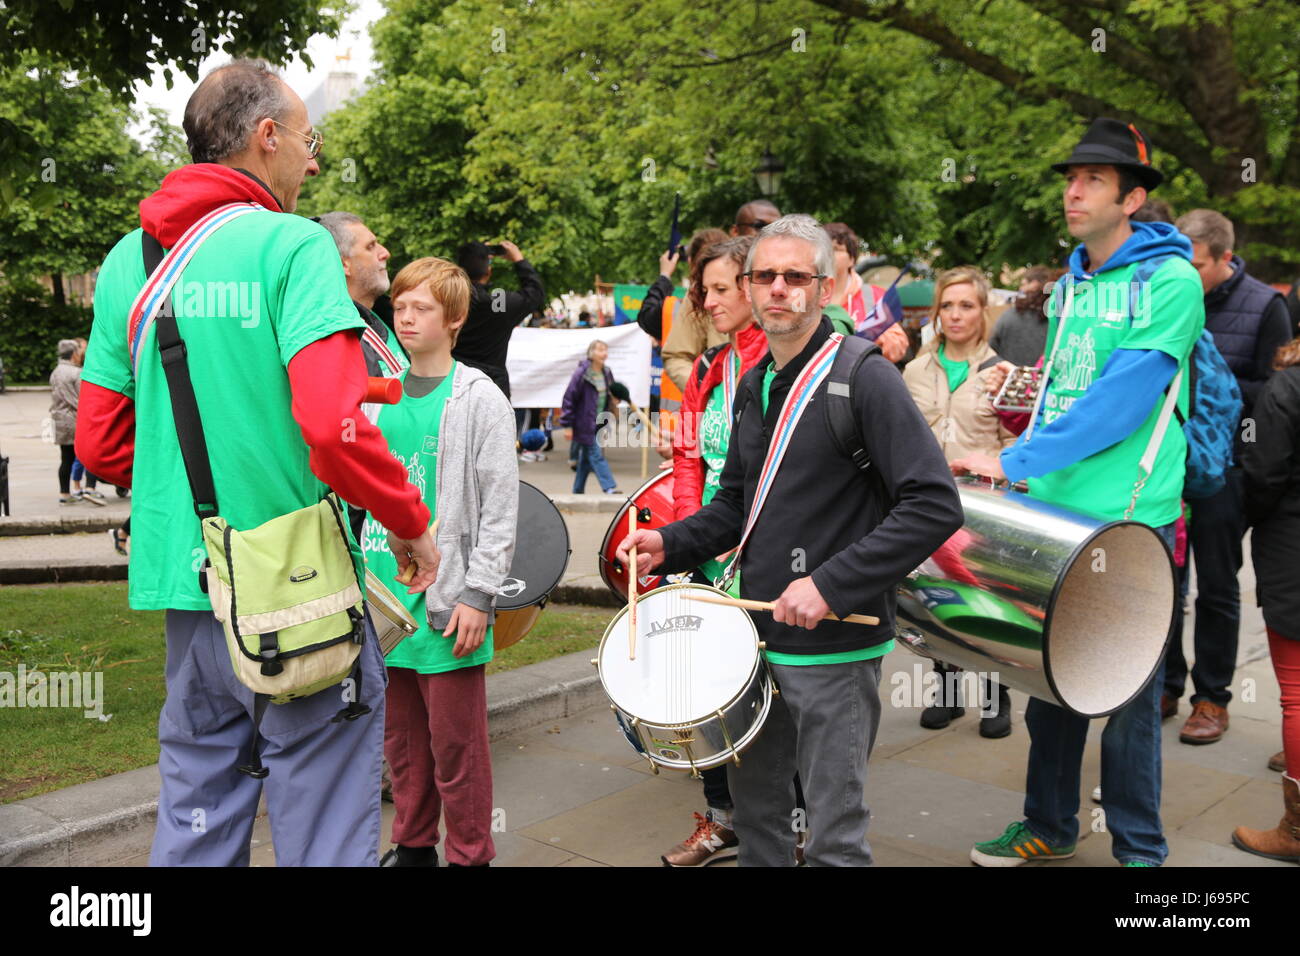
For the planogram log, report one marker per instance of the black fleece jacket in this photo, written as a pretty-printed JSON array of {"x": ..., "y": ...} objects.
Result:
[{"x": 857, "y": 533}]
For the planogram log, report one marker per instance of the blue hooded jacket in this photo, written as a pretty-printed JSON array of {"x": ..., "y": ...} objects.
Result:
[{"x": 1129, "y": 386}]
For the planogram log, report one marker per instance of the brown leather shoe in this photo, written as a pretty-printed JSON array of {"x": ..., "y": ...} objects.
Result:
[
  {"x": 1282, "y": 843},
  {"x": 1168, "y": 706},
  {"x": 1208, "y": 723},
  {"x": 1277, "y": 761}
]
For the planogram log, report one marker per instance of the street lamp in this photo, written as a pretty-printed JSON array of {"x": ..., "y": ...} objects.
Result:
[{"x": 768, "y": 173}]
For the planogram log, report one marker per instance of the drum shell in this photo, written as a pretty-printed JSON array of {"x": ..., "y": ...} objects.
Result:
[
  {"x": 654, "y": 503},
  {"x": 512, "y": 626},
  {"x": 1066, "y": 607},
  {"x": 739, "y": 722}
]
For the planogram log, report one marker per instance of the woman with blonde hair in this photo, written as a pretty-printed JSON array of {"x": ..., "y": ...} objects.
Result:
[{"x": 947, "y": 382}]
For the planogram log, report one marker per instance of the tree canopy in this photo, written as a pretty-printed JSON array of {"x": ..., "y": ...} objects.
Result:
[{"x": 928, "y": 125}]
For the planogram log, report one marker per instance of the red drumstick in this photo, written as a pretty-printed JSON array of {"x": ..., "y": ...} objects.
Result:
[{"x": 383, "y": 391}]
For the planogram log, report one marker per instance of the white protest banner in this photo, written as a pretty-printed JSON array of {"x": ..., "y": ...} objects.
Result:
[{"x": 541, "y": 362}]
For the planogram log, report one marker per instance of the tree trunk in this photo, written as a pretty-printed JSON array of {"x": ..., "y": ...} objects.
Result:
[{"x": 56, "y": 285}]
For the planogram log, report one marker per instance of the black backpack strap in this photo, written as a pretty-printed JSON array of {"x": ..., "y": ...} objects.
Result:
[
  {"x": 185, "y": 407},
  {"x": 840, "y": 418},
  {"x": 706, "y": 359}
]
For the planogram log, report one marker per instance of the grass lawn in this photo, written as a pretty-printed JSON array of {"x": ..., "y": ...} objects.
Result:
[{"x": 88, "y": 627}]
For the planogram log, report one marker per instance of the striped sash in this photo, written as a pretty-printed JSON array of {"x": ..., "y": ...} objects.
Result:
[
  {"x": 796, "y": 403},
  {"x": 159, "y": 285}
]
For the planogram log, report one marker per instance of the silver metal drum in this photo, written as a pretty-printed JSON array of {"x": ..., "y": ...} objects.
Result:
[
  {"x": 1071, "y": 609},
  {"x": 697, "y": 691}
]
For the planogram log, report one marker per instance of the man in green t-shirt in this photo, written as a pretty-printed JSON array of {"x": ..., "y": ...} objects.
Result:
[
  {"x": 1116, "y": 341},
  {"x": 276, "y": 367}
]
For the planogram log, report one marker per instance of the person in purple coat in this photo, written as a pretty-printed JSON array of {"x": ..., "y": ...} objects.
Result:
[{"x": 586, "y": 397}]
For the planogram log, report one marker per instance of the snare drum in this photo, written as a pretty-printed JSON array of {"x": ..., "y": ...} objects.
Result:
[
  {"x": 541, "y": 556},
  {"x": 698, "y": 691},
  {"x": 653, "y": 502}
]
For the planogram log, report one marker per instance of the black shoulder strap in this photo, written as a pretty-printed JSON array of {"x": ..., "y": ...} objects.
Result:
[
  {"x": 706, "y": 359},
  {"x": 840, "y": 418},
  {"x": 185, "y": 407}
]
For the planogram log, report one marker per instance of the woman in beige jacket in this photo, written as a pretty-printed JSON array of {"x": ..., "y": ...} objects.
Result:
[{"x": 947, "y": 382}]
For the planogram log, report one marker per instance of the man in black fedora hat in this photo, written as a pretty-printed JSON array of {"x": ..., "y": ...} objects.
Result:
[{"x": 1122, "y": 323}]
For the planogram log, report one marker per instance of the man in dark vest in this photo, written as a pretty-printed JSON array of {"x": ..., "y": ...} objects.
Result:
[{"x": 1249, "y": 321}]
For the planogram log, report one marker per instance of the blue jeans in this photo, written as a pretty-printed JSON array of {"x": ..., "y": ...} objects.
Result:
[
  {"x": 592, "y": 458},
  {"x": 1130, "y": 770}
]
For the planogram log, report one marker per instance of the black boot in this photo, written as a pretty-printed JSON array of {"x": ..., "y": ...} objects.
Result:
[
  {"x": 410, "y": 856},
  {"x": 945, "y": 709},
  {"x": 999, "y": 725}
]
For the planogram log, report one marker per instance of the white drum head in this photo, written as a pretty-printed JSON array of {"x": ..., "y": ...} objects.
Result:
[{"x": 692, "y": 659}]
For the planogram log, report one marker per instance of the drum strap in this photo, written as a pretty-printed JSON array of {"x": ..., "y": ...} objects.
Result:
[{"x": 796, "y": 403}]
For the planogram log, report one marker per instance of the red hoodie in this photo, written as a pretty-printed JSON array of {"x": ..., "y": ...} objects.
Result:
[
  {"x": 688, "y": 465},
  {"x": 327, "y": 379}
]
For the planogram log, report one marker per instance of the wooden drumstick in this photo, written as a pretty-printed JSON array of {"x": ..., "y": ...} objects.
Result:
[
  {"x": 768, "y": 606},
  {"x": 654, "y": 430},
  {"x": 631, "y": 585},
  {"x": 407, "y": 576}
]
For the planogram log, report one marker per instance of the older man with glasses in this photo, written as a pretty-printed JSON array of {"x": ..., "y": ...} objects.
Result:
[
  {"x": 826, "y": 536},
  {"x": 272, "y": 386}
]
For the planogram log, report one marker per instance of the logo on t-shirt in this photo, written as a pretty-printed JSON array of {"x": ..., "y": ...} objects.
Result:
[{"x": 430, "y": 445}]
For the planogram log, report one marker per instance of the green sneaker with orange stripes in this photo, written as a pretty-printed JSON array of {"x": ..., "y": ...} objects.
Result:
[{"x": 1017, "y": 845}]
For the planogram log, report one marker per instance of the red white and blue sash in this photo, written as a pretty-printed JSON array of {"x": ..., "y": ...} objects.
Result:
[
  {"x": 729, "y": 372},
  {"x": 379, "y": 346},
  {"x": 796, "y": 403},
  {"x": 159, "y": 285}
]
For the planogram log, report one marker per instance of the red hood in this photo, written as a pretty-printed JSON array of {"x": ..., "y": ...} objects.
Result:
[
  {"x": 191, "y": 192},
  {"x": 753, "y": 346}
]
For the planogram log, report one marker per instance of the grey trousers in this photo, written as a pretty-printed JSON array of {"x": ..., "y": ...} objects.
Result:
[
  {"x": 823, "y": 725},
  {"x": 323, "y": 788}
]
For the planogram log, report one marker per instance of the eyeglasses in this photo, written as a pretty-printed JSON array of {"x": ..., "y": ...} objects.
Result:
[
  {"x": 758, "y": 224},
  {"x": 314, "y": 139},
  {"x": 796, "y": 279}
]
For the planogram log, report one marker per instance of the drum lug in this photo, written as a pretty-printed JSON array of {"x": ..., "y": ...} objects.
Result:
[
  {"x": 654, "y": 767},
  {"x": 643, "y": 515},
  {"x": 762, "y": 645},
  {"x": 595, "y": 662}
]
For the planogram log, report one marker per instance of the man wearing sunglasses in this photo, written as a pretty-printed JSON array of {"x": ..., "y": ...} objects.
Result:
[
  {"x": 272, "y": 390},
  {"x": 752, "y": 217},
  {"x": 827, "y": 537}
]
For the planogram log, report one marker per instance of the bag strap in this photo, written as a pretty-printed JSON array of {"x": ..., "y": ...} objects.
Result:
[
  {"x": 1045, "y": 379},
  {"x": 185, "y": 407}
]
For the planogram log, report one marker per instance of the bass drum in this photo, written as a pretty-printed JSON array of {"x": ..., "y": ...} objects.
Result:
[
  {"x": 541, "y": 557},
  {"x": 653, "y": 502}
]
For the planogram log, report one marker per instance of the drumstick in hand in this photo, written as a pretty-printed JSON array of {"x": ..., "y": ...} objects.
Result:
[
  {"x": 631, "y": 586},
  {"x": 409, "y": 574},
  {"x": 768, "y": 605}
]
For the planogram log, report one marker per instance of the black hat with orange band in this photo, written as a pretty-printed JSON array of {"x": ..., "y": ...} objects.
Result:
[{"x": 1110, "y": 142}]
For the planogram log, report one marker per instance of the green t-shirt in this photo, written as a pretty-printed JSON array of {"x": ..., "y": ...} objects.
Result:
[
  {"x": 956, "y": 371},
  {"x": 714, "y": 436},
  {"x": 1171, "y": 316},
  {"x": 260, "y": 289},
  {"x": 841, "y": 657},
  {"x": 412, "y": 428}
]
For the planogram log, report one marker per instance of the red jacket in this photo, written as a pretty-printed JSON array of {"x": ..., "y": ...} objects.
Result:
[
  {"x": 327, "y": 379},
  {"x": 688, "y": 466}
]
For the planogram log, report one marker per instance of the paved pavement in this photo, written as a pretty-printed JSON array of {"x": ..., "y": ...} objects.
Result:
[{"x": 572, "y": 793}]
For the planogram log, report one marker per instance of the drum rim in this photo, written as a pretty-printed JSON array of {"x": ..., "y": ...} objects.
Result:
[
  {"x": 759, "y": 661},
  {"x": 568, "y": 553},
  {"x": 602, "y": 561},
  {"x": 1055, "y": 596}
]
